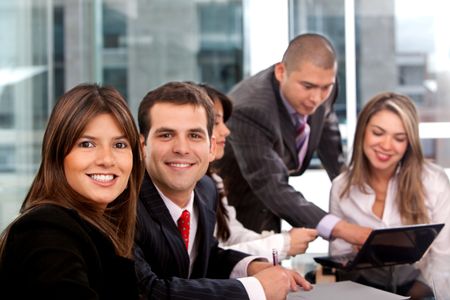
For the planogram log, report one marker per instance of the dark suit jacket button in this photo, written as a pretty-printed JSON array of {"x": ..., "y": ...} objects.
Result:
[{"x": 264, "y": 210}]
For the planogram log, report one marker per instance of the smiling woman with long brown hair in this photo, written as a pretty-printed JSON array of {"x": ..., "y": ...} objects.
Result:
[{"x": 74, "y": 235}]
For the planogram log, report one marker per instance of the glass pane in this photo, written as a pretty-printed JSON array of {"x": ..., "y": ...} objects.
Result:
[
  {"x": 134, "y": 45},
  {"x": 437, "y": 150},
  {"x": 23, "y": 98},
  {"x": 149, "y": 43},
  {"x": 404, "y": 45},
  {"x": 327, "y": 18}
]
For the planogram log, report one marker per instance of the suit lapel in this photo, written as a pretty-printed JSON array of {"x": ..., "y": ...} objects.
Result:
[
  {"x": 287, "y": 128},
  {"x": 154, "y": 204},
  {"x": 205, "y": 227}
]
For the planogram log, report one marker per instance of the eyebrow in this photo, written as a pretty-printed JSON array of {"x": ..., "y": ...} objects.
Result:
[
  {"x": 164, "y": 129},
  {"x": 317, "y": 85},
  {"x": 167, "y": 129},
  {"x": 197, "y": 130},
  {"x": 86, "y": 136}
]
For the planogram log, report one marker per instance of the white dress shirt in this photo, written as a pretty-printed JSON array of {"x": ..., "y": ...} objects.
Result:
[
  {"x": 249, "y": 241},
  {"x": 356, "y": 207}
]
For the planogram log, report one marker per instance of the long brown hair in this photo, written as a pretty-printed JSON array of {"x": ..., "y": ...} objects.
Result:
[
  {"x": 410, "y": 190},
  {"x": 67, "y": 122}
]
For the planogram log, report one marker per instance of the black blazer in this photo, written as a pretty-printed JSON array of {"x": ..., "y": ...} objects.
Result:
[
  {"x": 162, "y": 262},
  {"x": 260, "y": 155},
  {"x": 51, "y": 253}
]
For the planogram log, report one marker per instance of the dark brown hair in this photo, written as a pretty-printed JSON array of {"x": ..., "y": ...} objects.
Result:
[
  {"x": 178, "y": 93},
  {"x": 218, "y": 95}
]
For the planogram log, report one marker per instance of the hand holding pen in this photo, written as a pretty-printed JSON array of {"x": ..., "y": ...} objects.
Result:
[
  {"x": 275, "y": 257},
  {"x": 273, "y": 278}
]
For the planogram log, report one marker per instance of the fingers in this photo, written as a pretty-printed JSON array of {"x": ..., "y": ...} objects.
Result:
[
  {"x": 278, "y": 281},
  {"x": 306, "y": 234},
  {"x": 311, "y": 234},
  {"x": 300, "y": 239},
  {"x": 275, "y": 282},
  {"x": 298, "y": 280},
  {"x": 292, "y": 283}
]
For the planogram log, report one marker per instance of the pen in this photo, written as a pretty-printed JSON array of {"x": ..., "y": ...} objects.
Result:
[{"x": 275, "y": 256}]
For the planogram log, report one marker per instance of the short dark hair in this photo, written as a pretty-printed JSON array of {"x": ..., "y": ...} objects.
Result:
[
  {"x": 178, "y": 93},
  {"x": 311, "y": 47}
]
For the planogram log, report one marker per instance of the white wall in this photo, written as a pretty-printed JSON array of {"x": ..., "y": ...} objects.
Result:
[{"x": 315, "y": 186}]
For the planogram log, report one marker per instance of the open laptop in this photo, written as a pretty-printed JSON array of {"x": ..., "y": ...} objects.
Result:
[{"x": 387, "y": 247}]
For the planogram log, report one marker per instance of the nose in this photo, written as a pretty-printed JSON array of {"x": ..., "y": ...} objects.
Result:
[
  {"x": 386, "y": 143},
  {"x": 224, "y": 131},
  {"x": 181, "y": 145},
  {"x": 105, "y": 157},
  {"x": 316, "y": 95}
]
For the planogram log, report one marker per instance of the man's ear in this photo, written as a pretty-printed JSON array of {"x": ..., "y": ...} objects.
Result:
[
  {"x": 142, "y": 142},
  {"x": 212, "y": 148},
  {"x": 279, "y": 71}
]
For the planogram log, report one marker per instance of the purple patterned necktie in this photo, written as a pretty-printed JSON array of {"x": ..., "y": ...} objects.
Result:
[{"x": 300, "y": 136}]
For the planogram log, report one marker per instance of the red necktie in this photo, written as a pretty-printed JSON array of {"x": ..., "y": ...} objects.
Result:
[{"x": 183, "y": 226}]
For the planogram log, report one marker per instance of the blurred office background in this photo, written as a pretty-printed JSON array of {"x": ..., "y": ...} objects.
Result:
[{"x": 48, "y": 46}]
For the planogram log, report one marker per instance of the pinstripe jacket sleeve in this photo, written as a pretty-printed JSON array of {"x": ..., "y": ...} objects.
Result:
[{"x": 162, "y": 263}]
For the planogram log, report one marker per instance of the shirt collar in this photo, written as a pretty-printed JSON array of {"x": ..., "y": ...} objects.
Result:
[
  {"x": 295, "y": 117},
  {"x": 174, "y": 210}
]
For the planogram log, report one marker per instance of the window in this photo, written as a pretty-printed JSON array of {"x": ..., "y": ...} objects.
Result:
[{"x": 134, "y": 45}]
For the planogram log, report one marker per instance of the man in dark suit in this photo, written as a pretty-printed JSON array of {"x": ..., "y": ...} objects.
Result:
[
  {"x": 175, "y": 122},
  {"x": 281, "y": 116}
]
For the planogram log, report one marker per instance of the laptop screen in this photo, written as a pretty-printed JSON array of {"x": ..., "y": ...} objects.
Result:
[
  {"x": 399, "y": 245},
  {"x": 393, "y": 246}
]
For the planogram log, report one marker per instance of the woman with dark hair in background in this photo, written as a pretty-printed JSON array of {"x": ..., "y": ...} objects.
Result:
[
  {"x": 75, "y": 232},
  {"x": 229, "y": 231}
]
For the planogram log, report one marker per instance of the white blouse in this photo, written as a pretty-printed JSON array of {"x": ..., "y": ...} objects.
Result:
[
  {"x": 248, "y": 241},
  {"x": 356, "y": 207}
]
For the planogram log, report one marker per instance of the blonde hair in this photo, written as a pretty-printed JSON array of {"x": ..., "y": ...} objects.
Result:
[{"x": 410, "y": 190}]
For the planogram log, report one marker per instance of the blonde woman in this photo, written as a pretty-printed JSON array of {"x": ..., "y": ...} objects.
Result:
[{"x": 388, "y": 184}]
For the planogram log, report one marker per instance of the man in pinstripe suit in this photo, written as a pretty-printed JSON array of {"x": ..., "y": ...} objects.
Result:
[
  {"x": 176, "y": 121},
  {"x": 281, "y": 116}
]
